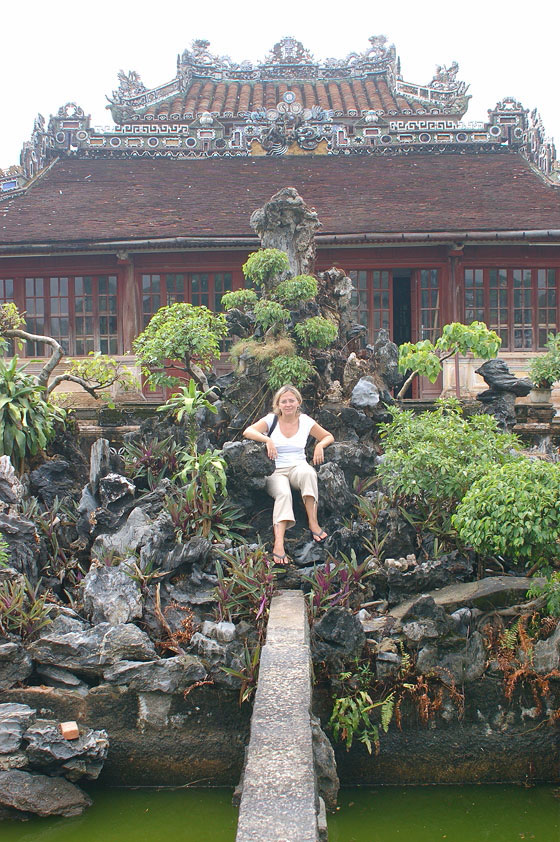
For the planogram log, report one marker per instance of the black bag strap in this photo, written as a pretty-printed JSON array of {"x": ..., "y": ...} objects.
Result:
[{"x": 273, "y": 425}]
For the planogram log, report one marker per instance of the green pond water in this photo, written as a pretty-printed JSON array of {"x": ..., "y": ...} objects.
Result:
[{"x": 380, "y": 814}]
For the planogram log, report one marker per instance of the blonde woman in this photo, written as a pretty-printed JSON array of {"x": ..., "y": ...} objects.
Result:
[{"x": 285, "y": 431}]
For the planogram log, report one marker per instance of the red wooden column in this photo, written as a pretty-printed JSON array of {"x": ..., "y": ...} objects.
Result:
[{"x": 130, "y": 305}]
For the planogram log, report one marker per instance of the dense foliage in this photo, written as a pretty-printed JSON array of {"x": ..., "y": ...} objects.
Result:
[
  {"x": 513, "y": 511},
  {"x": 544, "y": 369},
  {"x": 434, "y": 457},
  {"x": 263, "y": 266},
  {"x": 27, "y": 422},
  {"x": 180, "y": 336}
]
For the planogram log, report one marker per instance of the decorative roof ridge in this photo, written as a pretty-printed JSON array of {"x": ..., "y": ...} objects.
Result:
[{"x": 288, "y": 61}]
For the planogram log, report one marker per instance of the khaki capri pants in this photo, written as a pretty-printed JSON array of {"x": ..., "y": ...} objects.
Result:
[{"x": 301, "y": 476}]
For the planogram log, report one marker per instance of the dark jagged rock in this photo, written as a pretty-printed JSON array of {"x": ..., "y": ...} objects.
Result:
[
  {"x": 247, "y": 468},
  {"x": 500, "y": 379},
  {"x": 499, "y": 399},
  {"x": 338, "y": 634},
  {"x": 41, "y": 795},
  {"x": 11, "y": 489},
  {"x": 49, "y": 751},
  {"x": 356, "y": 419},
  {"x": 354, "y": 459},
  {"x": 50, "y": 480},
  {"x": 89, "y": 650},
  {"x": 386, "y": 360},
  {"x": 15, "y": 663},
  {"x": 425, "y": 620},
  {"x": 325, "y": 765},
  {"x": 334, "y": 496},
  {"x": 462, "y": 659},
  {"x": 399, "y": 537},
  {"x": 115, "y": 492},
  {"x": 160, "y": 547},
  {"x": 428, "y": 575},
  {"x": 23, "y": 544},
  {"x": 111, "y": 594}
]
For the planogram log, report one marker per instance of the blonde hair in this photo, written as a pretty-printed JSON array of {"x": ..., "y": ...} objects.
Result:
[{"x": 282, "y": 391}]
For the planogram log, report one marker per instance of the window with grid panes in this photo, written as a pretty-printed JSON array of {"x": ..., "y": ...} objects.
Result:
[
  {"x": 79, "y": 312},
  {"x": 360, "y": 304},
  {"x": 546, "y": 304},
  {"x": 202, "y": 289},
  {"x": 35, "y": 313},
  {"x": 160, "y": 290},
  {"x": 519, "y": 304},
  {"x": 95, "y": 320},
  {"x": 381, "y": 307},
  {"x": 430, "y": 327}
]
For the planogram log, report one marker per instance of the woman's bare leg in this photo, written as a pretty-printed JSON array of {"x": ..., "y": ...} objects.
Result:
[
  {"x": 279, "y": 533},
  {"x": 310, "y": 504}
]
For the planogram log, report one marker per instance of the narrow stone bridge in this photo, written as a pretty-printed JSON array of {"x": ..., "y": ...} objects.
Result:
[{"x": 280, "y": 801}]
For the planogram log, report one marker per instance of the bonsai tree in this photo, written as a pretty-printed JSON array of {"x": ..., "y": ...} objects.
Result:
[
  {"x": 426, "y": 359},
  {"x": 274, "y": 321},
  {"x": 180, "y": 337},
  {"x": 544, "y": 370}
]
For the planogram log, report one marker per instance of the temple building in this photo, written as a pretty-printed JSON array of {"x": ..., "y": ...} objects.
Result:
[{"x": 435, "y": 219}]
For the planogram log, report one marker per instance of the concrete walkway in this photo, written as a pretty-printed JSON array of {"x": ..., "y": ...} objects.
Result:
[{"x": 279, "y": 801}]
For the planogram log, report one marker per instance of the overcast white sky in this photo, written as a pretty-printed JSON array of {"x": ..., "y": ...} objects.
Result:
[{"x": 62, "y": 51}]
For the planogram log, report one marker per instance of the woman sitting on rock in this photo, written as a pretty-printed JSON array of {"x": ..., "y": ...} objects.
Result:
[{"x": 285, "y": 431}]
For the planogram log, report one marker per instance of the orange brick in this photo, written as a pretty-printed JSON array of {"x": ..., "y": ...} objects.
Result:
[{"x": 69, "y": 730}]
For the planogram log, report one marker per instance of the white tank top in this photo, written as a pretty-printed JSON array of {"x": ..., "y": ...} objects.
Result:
[{"x": 291, "y": 450}]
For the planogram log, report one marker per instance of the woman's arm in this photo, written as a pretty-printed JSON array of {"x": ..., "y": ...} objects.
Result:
[
  {"x": 324, "y": 438},
  {"x": 258, "y": 432}
]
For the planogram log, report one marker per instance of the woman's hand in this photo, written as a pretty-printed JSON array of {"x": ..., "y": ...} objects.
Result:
[
  {"x": 271, "y": 449},
  {"x": 318, "y": 454}
]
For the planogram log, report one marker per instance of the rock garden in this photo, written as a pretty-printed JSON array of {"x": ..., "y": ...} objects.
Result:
[{"x": 135, "y": 583}]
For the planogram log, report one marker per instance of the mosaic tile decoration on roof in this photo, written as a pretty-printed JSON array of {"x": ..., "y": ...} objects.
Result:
[{"x": 290, "y": 104}]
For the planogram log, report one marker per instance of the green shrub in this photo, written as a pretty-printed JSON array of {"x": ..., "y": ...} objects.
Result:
[
  {"x": 179, "y": 336},
  {"x": 433, "y": 458},
  {"x": 293, "y": 370},
  {"x": 544, "y": 369},
  {"x": 239, "y": 299},
  {"x": 550, "y": 589},
  {"x": 513, "y": 511},
  {"x": 27, "y": 422},
  {"x": 270, "y": 313},
  {"x": 296, "y": 290},
  {"x": 316, "y": 331},
  {"x": 264, "y": 265}
]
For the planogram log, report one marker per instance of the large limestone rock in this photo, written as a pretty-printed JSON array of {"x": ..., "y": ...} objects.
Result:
[
  {"x": 15, "y": 663},
  {"x": 286, "y": 223},
  {"x": 49, "y": 751},
  {"x": 41, "y": 795},
  {"x": 338, "y": 634},
  {"x": 14, "y": 719},
  {"x": 23, "y": 544},
  {"x": 170, "y": 675},
  {"x": 91, "y": 649},
  {"x": 488, "y": 593},
  {"x": 461, "y": 658},
  {"x": 111, "y": 595}
]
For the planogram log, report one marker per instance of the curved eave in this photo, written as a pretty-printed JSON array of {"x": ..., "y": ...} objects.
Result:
[{"x": 529, "y": 237}]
